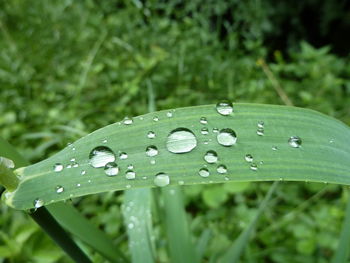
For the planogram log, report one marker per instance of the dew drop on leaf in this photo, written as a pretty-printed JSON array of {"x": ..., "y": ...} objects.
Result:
[
  {"x": 211, "y": 157},
  {"x": 204, "y": 172},
  {"x": 253, "y": 167},
  {"x": 248, "y": 157},
  {"x": 204, "y": 131},
  {"x": 181, "y": 140},
  {"x": 295, "y": 141},
  {"x": 123, "y": 156},
  {"x": 203, "y": 120},
  {"x": 155, "y": 118},
  {"x": 100, "y": 156},
  {"x": 59, "y": 189},
  {"x": 260, "y": 131},
  {"x": 127, "y": 121},
  {"x": 161, "y": 179},
  {"x": 227, "y": 137},
  {"x": 38, "y": 203},
  {"x": 111, "y": 169},
  {"x": 151, "y": 135},
  {"x": 169, "y": 114},
  {"x": 151, "y": 151},
  {"x": 274, "y": 148},
  {"x": 221, "y": 169},
  {"x": 224, "y": 108},
  {"x": 83, "y": 172},
  {"x": 130, "y": 175},
  {"x": 130, "y": 167},
  {"x": 58, "y": 167},
  {"x": 260, "y": 124}
]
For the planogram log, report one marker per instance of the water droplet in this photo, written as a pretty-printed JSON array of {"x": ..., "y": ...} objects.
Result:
[
  {"x": 123, "y": 156},
  {"x": 68, "y": 166},
  {"x": 253, "y": 167},
  {"x": 153, "y": 161},
  {"x": 261, "y": 162},
  {"x": 204, "y": 131},
  {"x": 128, "y": 186},
  {"x": 155, "y": 118},
  {"x": 38, "y": 203},
  {"x": 151, "y": 151},
  {"x": 295, "y": 141},
  {"x": 203, "y": 172},
  {"x": 211, "y": 157},
  {"x": 131, "y": 225},
  {"x": 130, "y": 167},
  {"x": 224, "y": 107},
  {"x": 75, "y": 165},
  {"x": 226, "y": 137},
  {"x": 248, "y": 157},
  {"x": 260, "y": 131},
  {"x": 100, "y": 156},
  {"x": 130, "y": 175},
  {"x": 181, "y": 140},
  {"x": 274, "y": 148},
  {"x": 181, "y": 182},
  {"x": 104, "y": 141},
  {"x": 58, "y": 167},
  {"x": 59, "y": 189},
  {"x": 203, "y": 120},
  {"x": 215, "y": 130},
  {"x": 72, "y": 160},
  {"x": 221, "y": 169},
  {"x": 7, "y": 162},
  {"x": 83, "y": 172},
  {"x": 169, "y": 114},
  {"x": 73, "y": 148},
  {"x": 161, "y": 179},
  {"x": 260, "y": 124},
  {"x": 111, "y": 169},
  {"x": 151, "y": 135},
  {"x": 127, "y": 121},
  {"x": 331, "y": 141},
  {"x": 78, "y": 185}
]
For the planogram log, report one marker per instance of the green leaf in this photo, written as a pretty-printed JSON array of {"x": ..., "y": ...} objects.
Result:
[{"x": 323, "y": 156}]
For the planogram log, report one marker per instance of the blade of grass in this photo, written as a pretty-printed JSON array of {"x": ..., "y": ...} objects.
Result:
[
  {"x": 322, "y": 157},
  {"x": 235, "y": 251},
  {"x": 342, "y": 253}
]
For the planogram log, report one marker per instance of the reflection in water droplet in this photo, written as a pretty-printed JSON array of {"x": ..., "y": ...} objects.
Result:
[
  {"x": 181, "y": 140},
  {"x": 221, "y": 169},
  {"x": 211, "y": 157},
  {"x": 58, "y": 167},
  {"x": 123, "y": 156},
  {"x": 224, "y": 107},
  {"x": 100, "y": 156},
  {"x": 151, "y": 135},
  {"x": 130, "y": 175},
  {"x": 260, "y": 124},
  {"x": 204, "y": 131},
  {"x": 59, "y": 189},
  {"x": 203, "y": 120},
  {"x": 226, "y": 137},
  {"x": 161, "y": 179},
  {"x": 248, "y": 157},
  {"x": 38, "y": 203},
  {"x": 111, "y": 169},
  {"x": 127, "y": 121},
  {"x": 253, "y": 167},
  {"x": 151, "y": 151},
  {"x": 295, "y": 141},
  {"x": 274, "y": 148},
  {"x": 203, "y": 172},
  {"x": 260, "y": 131}
]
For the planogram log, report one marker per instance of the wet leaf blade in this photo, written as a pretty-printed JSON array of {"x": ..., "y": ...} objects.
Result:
[{"x": 322, "y": 157}]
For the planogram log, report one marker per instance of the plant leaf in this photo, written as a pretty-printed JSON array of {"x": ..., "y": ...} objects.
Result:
[{"x": 323, "y": 156}]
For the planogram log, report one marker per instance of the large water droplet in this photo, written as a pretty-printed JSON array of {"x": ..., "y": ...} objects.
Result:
[
  {"x": 161, "y": 179},
  {"x": 224, "y": 107},
  {"x": 151, "y": 151},
  {"x": 130, "y": 175},
  {"x": 59, "y": 189},
  {"x": 181, "y": 140},
  {"x": 58, "y": 167},
  {"x": 204, "y": 172},
  {"x": 226, "y": 137},
  {"x": 111, "y": 169},
  {"x": 248, "y": 157},
  {"x": 38, "y": 203},
  {"x": 221, "y": 169},
  {"x": 203, "y": 120},
  {"x": 151, "y": 135},
  {"x": 211, "y": 157},
  {"x": 100, "y": 156},
  {"x": 295, "y": 141}
]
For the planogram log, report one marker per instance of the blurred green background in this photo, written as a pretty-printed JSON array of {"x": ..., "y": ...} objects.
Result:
[{"x": 70, "y": 67}]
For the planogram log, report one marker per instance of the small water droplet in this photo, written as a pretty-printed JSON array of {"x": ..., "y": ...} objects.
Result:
[
  {"x": 83, "y": 172},
  {"x": 331, "y": 141},
  {"x": 131, "y": 225},
  {"x": 295, "y": 141},
  {"x": 203, "y": 120},
  {"x": 155, "y": 118},
  {"x": 38, "y": 203},
  {"x": 72, "y": 160},
  {"x": 151, "y": 135},
  {"x": 169, "y": 114},
  {"x": 151, "y": 151},
  {"x": 127, "y": 121},
  {"x": 89, "y": 181},
  {"x": 73, "y": 148},
  {"x": 128, "y": 186},
  {"x": 100, "y": 156},
  {"x": 211, "y": 157},
  {"x": 130, "y": 167},
  {"x": 274, "y": 148},
  {"x": 111, "y": 169},
  {"x": 248, "y": 157},
  {"x": 153, "y": 161},
  {"x": 253, "y": 167},
  {"x": 58, "y": 167},
  {"x": 78, "y": 185},
  {"x": 181, "y": 140},
  {"x": 59, "y": 189},
  {"x": 75, "y": 165},
  {"x": 130, "y": 175},
  {"x": 123, "y": 156},
  {"x": 161, "y": 179},
  {"x": 68, "y": 166},
  {"x": 181, "y": 182},
  {"x": 221, "y": 169},
  {"x": 215, "y": 130},
  {"x": 206, "y": 142},
  {"x": 224, "y": 108},
  {"x": 204, "y": 131},
  {"x": 260, "y": 124},
  {"x": 261, "y": 162},
  {"x": 7, "y": 162},
  {"x": 227, "y": 137},
  {"x": 203, "y": 172},
  {"x": 260, "y": 131},
  {"x": 104, "y": 141}
]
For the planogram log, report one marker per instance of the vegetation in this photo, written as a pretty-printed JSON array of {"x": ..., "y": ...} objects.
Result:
[{"x": 68, "y": 68}]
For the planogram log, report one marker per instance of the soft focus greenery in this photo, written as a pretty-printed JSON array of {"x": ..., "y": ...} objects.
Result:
[{"x": 68, "y": 68}]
